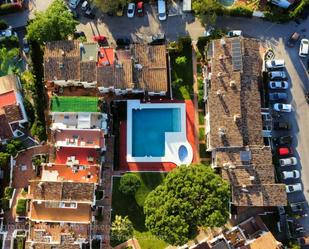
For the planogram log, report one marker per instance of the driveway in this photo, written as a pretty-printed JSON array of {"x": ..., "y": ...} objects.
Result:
[{"x": 275, "y": 37}]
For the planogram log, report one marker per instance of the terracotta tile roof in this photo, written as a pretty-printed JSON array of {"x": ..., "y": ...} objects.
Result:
[
  {"x": 8, "y": 98},
  {"x": 259, "y": 195},
  {"x": 9, "y": 83},
  {"x": 88, "y": 174},
  {"x": 153, "y": 75},
  {"x": 13, "y": 113},
  {"x": 84, "y": 156},
  {"x": 5, "y": 131},
  {"x": 46, "y": 212},
  {"x": 61, "y": 191},
  {"x": 267, "y": 240},
  {"x": 234, "y": 95},
  {"x": 30, "y": 245},
  {"x": 61, "y": 60}
]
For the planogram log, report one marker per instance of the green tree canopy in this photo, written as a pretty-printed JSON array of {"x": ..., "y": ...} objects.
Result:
[
  {"x": 122, "y": 228},
  {"x": 4, "y": 158},
  {"x": 189, "y": 197},
  {"x": 56, "y": 23},
  {"x": 129, "y": 184}
]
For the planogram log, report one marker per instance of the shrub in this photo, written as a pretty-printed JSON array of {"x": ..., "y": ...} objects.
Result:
[
  {"x": 4, "y": 204},
  {"x": 240, "y": 11},
  {"x": 129, "y": 184},
  {"x": 8, "y": 192},
  {"x": 3, "y": 24},
  {"x": 181, "y": 60},
  {"x": 21, "y": 206},
  {"x": 10, "y": 42},
  {"x": 10, "y": 8}
]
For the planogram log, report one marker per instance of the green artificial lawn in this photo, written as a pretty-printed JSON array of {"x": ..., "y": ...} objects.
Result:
[
  {"x": 74, "y": 104},
  {"x": 182, "y": 74},
  {"x": 132, "y": 206}
]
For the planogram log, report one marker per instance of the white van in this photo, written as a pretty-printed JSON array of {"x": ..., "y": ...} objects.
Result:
[
  {"x": 162, "y": 10},
  {"x": 304, "y": 47}
]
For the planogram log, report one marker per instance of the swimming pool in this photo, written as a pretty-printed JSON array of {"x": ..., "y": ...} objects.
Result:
[
  {"x": 148, "y": 130},
  {"x": 156, "y": 132}
]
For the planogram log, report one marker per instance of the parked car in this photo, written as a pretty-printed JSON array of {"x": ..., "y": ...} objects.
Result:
[
  {"x": 161, "y": 10},
  {"x": 277, "y": 75},
  {"x": 89, "y": 13},
  {"x": 293, "y": 188},
  {"x": 275, "y": 64},
  {"x": 123, "y": 42},
  {"x": 294, "y": 174},
  {"x": 304, "y": 47},
  {"x": 293, "y": 39},
  {"x": 281, "y": 3},
  {"x": 234, "y": 33},
  {"x": 279, "y": 125},
  {"x": 285, "y": 140},
  {"x": 285, "y": 151},
  {"x": 158, "y": 39},
  {"x": 280, "y": 107},
  {"x": 26, "y": 47},
  {"x": 298, "y": 207},
  {"x": 278, "y": 85},
  {"x": 290, "y": 161},
  {"x": 278, "y": 96},
  {"x": 85, "y": 6},
  {"x": 78, "y": 34},
  {"x": 140, "y": 9},
  {"x": 73, "y": 3},
  {"x": 131, "y": 10}
]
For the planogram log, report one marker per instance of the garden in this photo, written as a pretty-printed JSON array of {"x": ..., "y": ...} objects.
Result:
[{"x": 131, "y": 205}]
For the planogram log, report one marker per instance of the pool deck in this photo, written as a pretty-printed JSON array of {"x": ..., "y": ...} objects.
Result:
[{"x": 157, "y": 166}]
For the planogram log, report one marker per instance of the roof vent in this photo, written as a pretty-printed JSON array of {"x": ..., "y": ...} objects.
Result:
[
  {"x": 222, "y": 42},
  {"x": 236, "y": 117},
  {"x": 221, "y": 131},
  {"x": 233, "y": 84},
  {"x": 252, "y": 178}
]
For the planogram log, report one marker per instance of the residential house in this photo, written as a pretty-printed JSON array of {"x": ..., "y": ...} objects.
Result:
[
  {"x": 234, "y": 126},
  {"x": 13, "y": 117},
  {"x": 140, "y": 69}
]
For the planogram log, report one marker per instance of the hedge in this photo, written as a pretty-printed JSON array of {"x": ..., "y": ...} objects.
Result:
[{"x": 8, "y": 8}]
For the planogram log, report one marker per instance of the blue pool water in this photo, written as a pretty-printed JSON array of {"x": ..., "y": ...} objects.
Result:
[{"x": 149, "y": 127}]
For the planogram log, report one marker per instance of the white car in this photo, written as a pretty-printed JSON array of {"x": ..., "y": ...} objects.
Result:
[
  {"x": 85, "y": 6},
  {"x": 73, "y": 3},
  {"x": 278, "y": 85},
  {"x": 288, "y": 161},
  {"x": 303, "y": 47},
  {"x": 277, "y": 75},
  {"x": 293, "y": 188},
  {"x": 162, "y": 10},
  {"x": 131, "y": 10},
  {"x": 294, "y": 174},
  {"x": 234, "y": 33},
  {"x": 275, "y": 64},
  {"x": 279, "y": 107}
]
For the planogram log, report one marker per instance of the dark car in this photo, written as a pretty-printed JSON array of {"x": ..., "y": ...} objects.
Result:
[
  {"x": 285, "y": 140},
  {"x": 278, "y": 96},
  {"x": 282, "y": 125},
  {"x": 123, "y": 42},
  {"x": 140, "y": 9},
  {"x": 89, "y": 13},
  {"x": 78, "y": 34},
  {"x": 293, "y": 39},
  {"x": 158, "y": 39}
]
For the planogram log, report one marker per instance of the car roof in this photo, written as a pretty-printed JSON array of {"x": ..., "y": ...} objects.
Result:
[
  {"x": 295, "y": 36},
  {"x": 140, "y": 4}
]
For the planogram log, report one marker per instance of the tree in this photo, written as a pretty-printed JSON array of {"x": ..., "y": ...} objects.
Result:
[
  {"x": 181, "y": 60},
  {"x": 4, "y": 158},
  {"x": 109, "y": 5},
  {"x": 28, "y": 81},
  {"x": 129, "y": 184},
  {"x": 122, "y": 228},
  {"x": 189, "y": 197},
  {"x": 6, "y": 57},
  {"x": 206, "y": 10},
  {"x": 56, "y": 23}
]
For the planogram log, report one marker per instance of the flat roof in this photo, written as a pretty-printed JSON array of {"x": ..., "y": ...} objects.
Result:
[
  {"x": 40, "y": 212},
  {"x": 81, "y": 156},
  {"x": 74, "y": 104}
]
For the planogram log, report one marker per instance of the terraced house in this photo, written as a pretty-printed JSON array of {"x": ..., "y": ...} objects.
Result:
[
  {"x": 234, "y": 126},
  {"x": 139, "y": 69}
]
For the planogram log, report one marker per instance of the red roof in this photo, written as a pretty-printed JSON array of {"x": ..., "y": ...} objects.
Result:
[
  {"x": 107, "y": 57},
  {"x": 83, "y": 155},
  {"x": 7, "y": 98}
]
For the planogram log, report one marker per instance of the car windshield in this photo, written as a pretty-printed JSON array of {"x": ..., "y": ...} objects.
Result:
[
  {"x": 130, "y": 10},
  {"x": 162, "y": 15},
  {"x": 280, "y": 106},
  {"x": 305, "y": 42}
]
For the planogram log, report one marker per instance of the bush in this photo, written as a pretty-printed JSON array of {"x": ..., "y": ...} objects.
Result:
[
  {"x": 181, "y": 60},
  {"x": 21, "y": 206},
  {"x": 10, "y": 42},
  {"x": 3, "y": 25},
  {"x": 129, "y": 184},
  {"x": 240, "y": 11},
  {"x": 8, "y": 192},
  {"x": 10, "y": 8}
]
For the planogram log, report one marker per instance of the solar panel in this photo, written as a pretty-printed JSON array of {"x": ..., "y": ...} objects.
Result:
[{"x": 236, "y": 54}]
